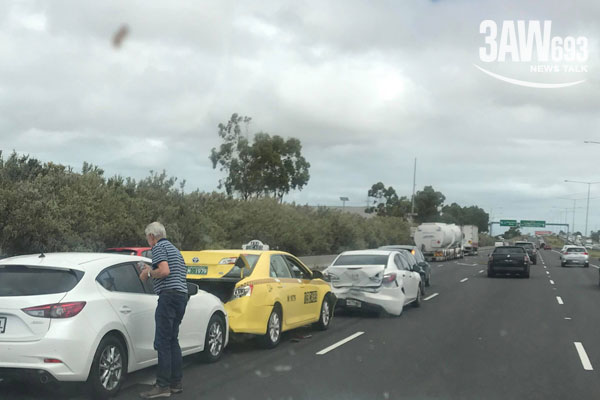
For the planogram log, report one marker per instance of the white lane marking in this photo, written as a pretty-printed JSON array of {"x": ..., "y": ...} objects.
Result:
[
  {"x": 585, "y": 361},
  {"x": 568, "y": 318},
  {"x": 595, "y": 266},
  {"x": 559, "y": 300},
  {"x": 481, "y": 271},
  {"x": 541, "y": 258},
  {"x": 551, "y": 282},
  {"x": 338, "y": 344},
  {"x": 467, "y": 265},
  {"x": 547, "y": 272},
  {"x": 430, "y": 297},
  {"x": 464, "y": 280},
  {"x": 544, "y": 267}
]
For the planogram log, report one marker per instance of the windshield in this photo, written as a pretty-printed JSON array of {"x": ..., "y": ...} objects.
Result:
[
  {"x": 362, "y": 259},
  {"x": 576, "y": 250}
]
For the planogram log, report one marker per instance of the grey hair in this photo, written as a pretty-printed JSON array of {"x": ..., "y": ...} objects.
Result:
[{"x": 157, "y": 230}]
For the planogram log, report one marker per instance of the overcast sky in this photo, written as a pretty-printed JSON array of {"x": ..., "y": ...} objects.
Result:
[{"x": 366, "y": 86}]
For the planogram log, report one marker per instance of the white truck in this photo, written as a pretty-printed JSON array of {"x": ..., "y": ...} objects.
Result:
[
  {"x": 438, "y": 241},
  {"x": 470, "y": 241}
]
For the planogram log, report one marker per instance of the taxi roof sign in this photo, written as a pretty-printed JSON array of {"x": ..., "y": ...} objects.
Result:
[{"x": 255, "y": 245}]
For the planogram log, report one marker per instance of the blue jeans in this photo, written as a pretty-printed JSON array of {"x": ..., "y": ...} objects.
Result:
[{"x": 168, "y": 316}]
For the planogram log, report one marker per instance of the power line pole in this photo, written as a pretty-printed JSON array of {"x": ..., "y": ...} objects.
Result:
[{"x": 412, "y": 207}]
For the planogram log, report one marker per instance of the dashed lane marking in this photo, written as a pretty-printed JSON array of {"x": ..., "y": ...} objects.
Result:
[
  {"x": 430, "y": 297},
  {"x": 551, "y": 282},
  {"x": 585, "y": 361},
  {"x": 464, "y": 280},
  {"x": 340, "y": 343},
  {"x": 560, "y": 301}
]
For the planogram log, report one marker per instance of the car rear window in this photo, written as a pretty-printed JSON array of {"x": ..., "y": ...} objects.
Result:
[
  {"x": 362, "y": 259},
  {"x": 509, "y": 250},
  {"x": 576, "y": 250},
  {"x": 526, "y": 245},
  {"x": 22, "y": 280}
]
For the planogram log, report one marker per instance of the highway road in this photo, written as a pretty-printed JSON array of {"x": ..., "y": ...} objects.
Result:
[{"x": 473, "y": 338}]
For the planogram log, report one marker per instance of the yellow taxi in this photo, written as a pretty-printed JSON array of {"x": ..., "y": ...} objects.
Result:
[{"x": 265, "y": 292}]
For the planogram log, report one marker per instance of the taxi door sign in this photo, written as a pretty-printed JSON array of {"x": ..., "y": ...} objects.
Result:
[{"x": 310, "y": 297}]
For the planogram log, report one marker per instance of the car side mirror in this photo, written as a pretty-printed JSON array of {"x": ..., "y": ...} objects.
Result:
[
  {"x": 192, "y": 289},
  {"x": 317, "y": 275}
]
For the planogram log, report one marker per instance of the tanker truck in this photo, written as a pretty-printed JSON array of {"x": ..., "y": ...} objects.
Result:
[
  {"x": 470, "y": 239},
  {"x": 439, "y": 241}
]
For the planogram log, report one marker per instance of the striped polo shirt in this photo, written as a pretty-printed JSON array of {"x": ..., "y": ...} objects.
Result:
[{"x": 164, "y": 250}]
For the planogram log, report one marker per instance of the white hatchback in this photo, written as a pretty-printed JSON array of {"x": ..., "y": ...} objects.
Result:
[
  {"x": 374, "y": 280},
  {"x": 88, "y": 317}
]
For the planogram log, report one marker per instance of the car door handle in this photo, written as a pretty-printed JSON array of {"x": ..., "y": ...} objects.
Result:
[{"x": 125, "y": 310}]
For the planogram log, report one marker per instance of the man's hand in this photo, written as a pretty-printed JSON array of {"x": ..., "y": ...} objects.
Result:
[{"x": 144, "y": 272}]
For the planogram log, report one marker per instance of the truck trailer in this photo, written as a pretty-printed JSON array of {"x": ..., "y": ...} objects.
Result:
[
  {"x": 439, "y": 241},
  {"x": 470, "y": 239}
]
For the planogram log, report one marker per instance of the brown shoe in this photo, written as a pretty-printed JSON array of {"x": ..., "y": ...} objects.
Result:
[
  {"x": 176, "y": 388},
  {"x": 156, "y": 392}
]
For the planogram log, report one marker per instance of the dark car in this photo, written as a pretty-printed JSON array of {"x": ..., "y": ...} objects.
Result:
[
  {"x": 508, "y": 259},
  {"x": 530, "y": 249},
  {"x": 416, "y": 253}
]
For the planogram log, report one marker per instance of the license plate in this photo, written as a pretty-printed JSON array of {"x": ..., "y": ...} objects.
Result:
[
  {"x": 197, "y": 270},
  {"x": 2, "y": 324},
  {"x": 353, "y": 303}
]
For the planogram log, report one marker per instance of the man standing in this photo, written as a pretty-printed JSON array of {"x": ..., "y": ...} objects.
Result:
[{"x": 168, "y": 273}]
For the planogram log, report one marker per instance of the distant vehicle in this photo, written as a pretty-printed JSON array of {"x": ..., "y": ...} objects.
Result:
[
  {"x": 575, "y": 255},
  {"x": 498, "y": 244},
  {"x": 131, "y": 251},
  {"x": 543, "y": 246},
  {"x": 531, "y": 250},
  {"x": 513, "y": 259},
  {"x": 438, "y": 241},
  {"x": 265, "y": 292},
  {"x": 565, "y": 247},
  {"x": 374, "y": 280},
  {"x": 421, "y": 262},
  {"x": 547, "y": 247},
  {"x": 89, "y": 317},
  {"x": 470, "y": 241}
]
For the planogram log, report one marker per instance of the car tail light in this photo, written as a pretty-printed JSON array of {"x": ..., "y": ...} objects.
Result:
[
  {"x": 389, "y": 278},
  {"x": 242, "y": 291},
  {"x": 58, "y": 310},
  {"x": 585, "y": 254},
  {"x": 228, "y": 260},
  {"x": 525, "y": 258},
  {"x": 52, "y": 361}
]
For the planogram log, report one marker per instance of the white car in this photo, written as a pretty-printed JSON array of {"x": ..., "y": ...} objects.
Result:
[
  {"x": 88, "y": 317},
  {"x": 374, "y": 280},
  {"x": 575, "y": 255}
]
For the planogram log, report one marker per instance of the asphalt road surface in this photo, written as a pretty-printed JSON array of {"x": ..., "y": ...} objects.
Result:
[{"x": 473, "y": 338}]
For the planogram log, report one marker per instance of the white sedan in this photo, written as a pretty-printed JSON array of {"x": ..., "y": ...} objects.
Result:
[
  {"x": 88, "y": 317},
  {"x": 374, "y": 280}
]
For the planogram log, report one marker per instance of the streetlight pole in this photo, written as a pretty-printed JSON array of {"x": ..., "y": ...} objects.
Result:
[{"x": 587, "y": 212}]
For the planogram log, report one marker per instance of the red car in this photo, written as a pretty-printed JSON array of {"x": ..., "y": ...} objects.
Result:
[{"x": 131, "y": 251}]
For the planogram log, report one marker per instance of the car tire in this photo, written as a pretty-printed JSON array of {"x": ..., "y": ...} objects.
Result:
[
  {"x": 535, "y": 261},
  {"x": 526, "y": 274},
  {"x": 490, "y": 273},
  {"x": 273, "y": 336},
  {"x": 428, "y": 282},
  {"x": 417, "y": 302},
  {"x": 214, "y": 340},
  {"x": 562, "y": 264},
  {"x": 326, "y": 313},
  {"x": 422, "y": 288},
  {"x": 110, "y": 355},
  {"x": 586, "y": 265}
]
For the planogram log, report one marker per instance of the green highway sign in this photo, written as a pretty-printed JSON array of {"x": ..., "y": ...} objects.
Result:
[
  {"x": 532, "y": 224},
  {"x": 508, "y": 222}
]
